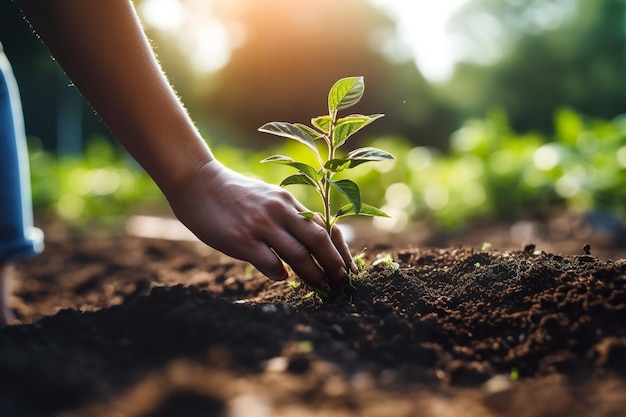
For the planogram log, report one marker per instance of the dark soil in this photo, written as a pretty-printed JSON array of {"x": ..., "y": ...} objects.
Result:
[{"x": 125, "y": 326}]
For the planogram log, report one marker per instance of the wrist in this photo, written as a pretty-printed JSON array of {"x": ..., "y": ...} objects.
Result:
[{"x": 176, "y": 168}]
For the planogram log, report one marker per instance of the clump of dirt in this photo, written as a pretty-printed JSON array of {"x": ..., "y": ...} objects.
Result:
[{"x": 124, "y": 326}]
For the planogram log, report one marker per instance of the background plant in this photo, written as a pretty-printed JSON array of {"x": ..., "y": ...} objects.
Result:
[
  {"x": 102, "y": 184},
  {"x": 333, "y": 132}
]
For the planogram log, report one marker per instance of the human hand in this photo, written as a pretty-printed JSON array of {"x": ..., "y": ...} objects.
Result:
[{"x": 259, "y": 223}]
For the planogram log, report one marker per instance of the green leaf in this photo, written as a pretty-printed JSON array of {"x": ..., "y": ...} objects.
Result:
[
  {"x": 347, "y": 126},
  {"x": 366, "y": 210},
  {"x": 362, "y": 155},
  {"x": 360, "y": 117},
  {"x": 298, "y": 179},
  {"x": 322, "y": 123},
  {"x": 350, "y": 190},
  {"x": 345, "y": 93},
  {"x": 388, "y": 262},
  {"x": 290, "y": 131},
  {"x": 314, "y": 134},
  {"x": 337, "y": 164},
  {"x": 306, "y": 214},
  {"x": 356, "y": 158},
  {"x": 303, "y": 168}
]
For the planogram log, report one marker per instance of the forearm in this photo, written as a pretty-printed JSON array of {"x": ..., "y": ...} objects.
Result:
[{"x": 102, "y": 47}]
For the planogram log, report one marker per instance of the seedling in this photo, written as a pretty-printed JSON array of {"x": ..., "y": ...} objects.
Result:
[
  {"x": 387, "y": 262},
  {"x": 359, "y": 260},
  {"x": 331, "y": 131}
]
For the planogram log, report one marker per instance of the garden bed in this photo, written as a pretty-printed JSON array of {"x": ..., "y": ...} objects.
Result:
[{"x": 118, "y": 325}]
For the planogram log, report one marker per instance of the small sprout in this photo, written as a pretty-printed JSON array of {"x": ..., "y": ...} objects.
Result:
[
  {"x": 331, "y": 132},
  {"x": 514, "y": 374},
  {"x": 305, "y": 346},
  {"x": 477, "y": 264},
  {"x": 317, "y": 294},
  {"x": 359, "y": 261},
  {"x": 294, "y": 285},
  {"x": 249, "y": 270},
  {"x": 388, "y": 262},
  {"x": 485, "y": 246}
]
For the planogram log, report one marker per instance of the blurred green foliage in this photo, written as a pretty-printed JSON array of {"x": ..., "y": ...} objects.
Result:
[
  {"x": 493, "y": 172},
  {"x": 103, "y": 184},
  {"x": 490, "y": 172},
  {"x": 543, "y": 55}
]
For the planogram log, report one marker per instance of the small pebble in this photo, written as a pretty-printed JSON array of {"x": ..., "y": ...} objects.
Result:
[
  {"x": 269, "y": 308},
  {"x": 336, "y": 330},
  {"x": 278, "y": 364},
  {"x": 497, "y": 383},
  {"x": 250, "y": 405}
]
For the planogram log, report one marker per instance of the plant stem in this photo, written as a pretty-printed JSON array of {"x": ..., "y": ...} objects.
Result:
[
  {"x": 328, "y": 174},
  {"x": 327, "y": 218}
]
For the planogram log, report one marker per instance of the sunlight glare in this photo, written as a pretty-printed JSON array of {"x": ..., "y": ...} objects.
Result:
[
  {"x": 423, "y": 26},
  {"x": 167, "y": 15},
  {"x": 546, "y": 157},
  {"x": 436, "y": 197},
  {"x": 209, "y": 56},
  {"x": 396, "y": 222},
  {"x": 202, "y": 36},
  {"x": 420, "y": 158},
  {"x": 399, "y": 195}
]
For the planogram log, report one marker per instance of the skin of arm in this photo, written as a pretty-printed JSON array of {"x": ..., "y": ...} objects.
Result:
[{"x": 103, "y": 49}]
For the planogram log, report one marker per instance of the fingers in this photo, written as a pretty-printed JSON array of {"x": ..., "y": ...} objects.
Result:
[
  {"x": 304, "y": 244},
  {"x": 339, "y": 244},
  {"x": 332, "y": 255},
  {"x": 344, "y": 249},
  {"x": 307, "y": 248},
  {"x": 267, "y": 262},
  {"x": 283, "y": 246},
  {"x": 298, "y": 256}
]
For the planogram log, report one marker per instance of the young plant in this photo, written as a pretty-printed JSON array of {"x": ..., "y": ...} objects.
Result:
[
  {"x": 387, "y": 261},
  {"x": 332, "y": 132}
]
